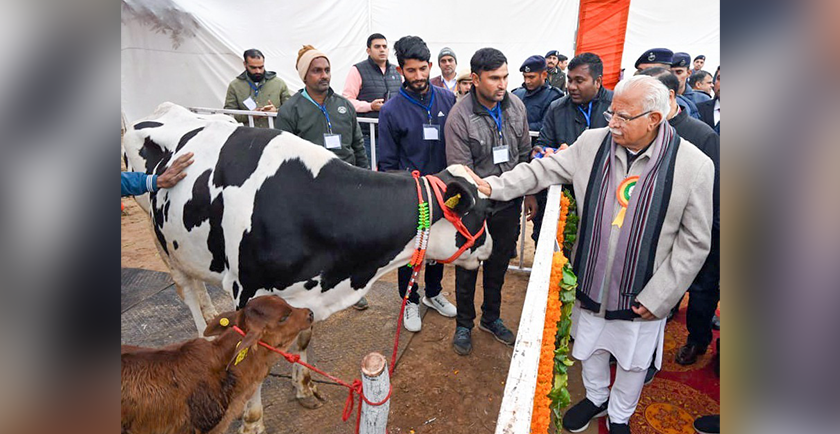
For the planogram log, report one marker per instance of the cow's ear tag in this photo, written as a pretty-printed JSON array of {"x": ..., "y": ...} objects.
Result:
[
  {"x": 241, "y": 356},
  {"x": 224, "y": 322},
  {"x": 452, "y": 202}
]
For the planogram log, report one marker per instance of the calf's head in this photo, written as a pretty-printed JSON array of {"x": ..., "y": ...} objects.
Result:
[
  {"x": 267, "y": 318},
  {"x": 472, "y": 208}
]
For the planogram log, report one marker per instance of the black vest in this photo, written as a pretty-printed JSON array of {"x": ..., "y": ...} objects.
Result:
[{"x": 375, "y": 85}]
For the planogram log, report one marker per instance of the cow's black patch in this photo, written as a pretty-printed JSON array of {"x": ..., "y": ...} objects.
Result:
[
  {"x": 175, "y": 245},
  {"x": 153, "y": 154},
  {"x": 216, "y": 239},
  {"x": 186, "y": 138},
  {"x": 166, "y": 210},
  {"x": 240, "y": 155},
  {"x": 147, "y": 124},
  {"x": 235, "y": 290},
  {"x": 311, "y": 283},
  {"x": 197, "y": 209},
  {"x": 158, "y": 220},
  {"x": 347, "y": 223},
  {"x": 125, "y": 160}
]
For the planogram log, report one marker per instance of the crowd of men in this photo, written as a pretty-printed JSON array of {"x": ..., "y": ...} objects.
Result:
[{"x": 642, "y": 161}]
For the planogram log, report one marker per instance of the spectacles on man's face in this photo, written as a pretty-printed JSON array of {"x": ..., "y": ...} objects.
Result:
[{"x": 608, "y": 115}]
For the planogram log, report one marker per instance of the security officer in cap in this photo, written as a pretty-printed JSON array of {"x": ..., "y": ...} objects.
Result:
[
  {"x": 535, "y": 92},
  {"x": 699, "y": 61},
  {"x": 556, "y": 66},
  {"x": 654, "y": 57},
  {"x": 680, "y": 68},
  {"x": 665, "y": 58}
]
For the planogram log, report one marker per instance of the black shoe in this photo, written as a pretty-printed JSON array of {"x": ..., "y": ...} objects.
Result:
[
  {"x": 715, "y": 322},
  {"x": 689, "y": 352},
  {"x": 499, "y": 331},
  {"x": 618, "y": 428},
  {"x": 707, "y": 424},
  {"x": 578, "y": 417},
  {"x": 651, "y": 372},
  {"x": 362, "y": 304},
  {"x": 462, "y": 342}
]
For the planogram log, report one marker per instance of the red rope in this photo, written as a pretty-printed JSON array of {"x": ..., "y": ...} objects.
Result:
[{"x": 355, "y": 388}]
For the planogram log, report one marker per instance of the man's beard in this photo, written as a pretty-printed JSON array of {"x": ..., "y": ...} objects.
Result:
[
  {"x": 256, "y": 78},
  {"x": 418, "y": 86}
]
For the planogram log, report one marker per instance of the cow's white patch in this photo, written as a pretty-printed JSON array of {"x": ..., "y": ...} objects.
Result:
[{"x": 461, "y": 171}]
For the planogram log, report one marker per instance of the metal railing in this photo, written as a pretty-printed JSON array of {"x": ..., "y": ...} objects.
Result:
[{"x": 371, "y": 125}]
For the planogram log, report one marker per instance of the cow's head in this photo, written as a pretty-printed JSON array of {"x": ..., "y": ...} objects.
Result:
[{"x": 472, "y": 207}]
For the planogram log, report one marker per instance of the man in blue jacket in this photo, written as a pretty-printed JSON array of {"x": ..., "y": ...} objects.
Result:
[
  {"x": 535, "y": 93},
  {"x": 137, "y": 183},
  {"x": 411, "y": 138}
]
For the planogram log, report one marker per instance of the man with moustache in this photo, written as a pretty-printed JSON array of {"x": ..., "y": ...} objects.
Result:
[
  {"x": 255, "y": 89},
  {"x": 411, "y": 138},
  {"x": 644, "y": 232},
  {"x": 556, "y": 69},
  {"x": 447, "y": 63},
  {"x": 679, "y": 67},
  {"x": 487, "y": 131},
  {"x": 317, "y": 114}
]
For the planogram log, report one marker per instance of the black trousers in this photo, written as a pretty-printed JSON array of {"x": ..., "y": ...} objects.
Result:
[
  {"x": 704, "y": 295},
  {"x": 504, "y": 229},
  {"x": 433, "y": 276},
  {"x": 538, "y": 217}
]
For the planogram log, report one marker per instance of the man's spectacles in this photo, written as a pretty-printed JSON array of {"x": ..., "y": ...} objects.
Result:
[{"x": 608, "y": 115}]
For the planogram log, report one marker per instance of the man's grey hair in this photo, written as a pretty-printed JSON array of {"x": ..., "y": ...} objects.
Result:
[{"x": 655, "y": 96}]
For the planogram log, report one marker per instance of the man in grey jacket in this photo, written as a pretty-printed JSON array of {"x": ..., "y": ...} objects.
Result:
[
  {"x": 644, "y": 233},
  {"x": 487, "y": 131}
]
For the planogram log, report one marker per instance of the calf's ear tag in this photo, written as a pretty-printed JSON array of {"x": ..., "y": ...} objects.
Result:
[
  {"x": 224, "y": 322},
  {"x": 452, "y": 202},
  {"x": 240, "y": 356}
]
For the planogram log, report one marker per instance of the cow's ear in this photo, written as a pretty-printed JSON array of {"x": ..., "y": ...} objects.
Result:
[
  {"x": 459, "y": 197},
  {"x": 221, "y": 323}
]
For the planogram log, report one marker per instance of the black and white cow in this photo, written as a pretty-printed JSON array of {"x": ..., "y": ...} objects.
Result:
[{"x": 265, "y": 212}]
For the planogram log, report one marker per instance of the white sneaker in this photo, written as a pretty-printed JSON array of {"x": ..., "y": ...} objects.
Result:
[
  {"x": 442, "y": 305},
  {"x": 411, "y": 317}
]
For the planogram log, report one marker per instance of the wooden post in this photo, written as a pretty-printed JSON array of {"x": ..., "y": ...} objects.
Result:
[{"x": 375, "y": 383}]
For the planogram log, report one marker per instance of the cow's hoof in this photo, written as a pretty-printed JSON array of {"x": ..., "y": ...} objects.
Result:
[
  {"x": 312, "y": 402},
  {"x": 252, "y": 428}
]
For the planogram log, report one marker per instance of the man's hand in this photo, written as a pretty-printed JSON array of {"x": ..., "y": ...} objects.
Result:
[
  {"x": 268, "y": 107},
  {"x": 643, "y": 312},
  {"x": 174, "y": 173},
  {"x": 483, "y": 186},
  {"x": 536, "y": 150},
  {"x": 376, "y": 104},
  {"x": 531, "y": 207}
]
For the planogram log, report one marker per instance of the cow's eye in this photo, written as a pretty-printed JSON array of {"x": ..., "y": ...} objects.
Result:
[{"x": 285, "y": 317}]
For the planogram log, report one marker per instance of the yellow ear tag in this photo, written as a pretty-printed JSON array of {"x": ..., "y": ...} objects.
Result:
[
  {"x": 240, "y": 356},
  {"x": 224, "y": 322},
  {"x": 452, "y": 202}
]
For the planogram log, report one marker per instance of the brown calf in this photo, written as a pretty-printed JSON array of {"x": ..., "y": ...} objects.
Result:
[{"x": 200, "y": 386}]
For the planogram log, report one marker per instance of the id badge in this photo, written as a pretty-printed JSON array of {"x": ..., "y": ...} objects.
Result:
[
  {"x": 500, "y": 154},
  {"x": 332, "y": 141},
  {"x": 431, "y": 132},
  {"x": 250, "y": 103}
]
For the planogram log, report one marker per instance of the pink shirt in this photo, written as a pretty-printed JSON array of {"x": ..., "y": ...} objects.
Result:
[{"x": 351, "y": 90}]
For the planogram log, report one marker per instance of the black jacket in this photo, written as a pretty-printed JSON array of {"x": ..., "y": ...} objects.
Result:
[
  {"x": 704, "y": 138},
  {"x": 537, "y": 102},
  {"x": 707, "y": 114},
  {"x": 565, "y": 122}
]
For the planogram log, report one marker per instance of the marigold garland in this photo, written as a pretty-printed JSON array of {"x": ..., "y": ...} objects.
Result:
[{"x": 550, "y": 393}]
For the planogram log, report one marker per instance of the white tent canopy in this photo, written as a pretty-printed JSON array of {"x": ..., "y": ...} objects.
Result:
[{"x": 187, "y": 51}]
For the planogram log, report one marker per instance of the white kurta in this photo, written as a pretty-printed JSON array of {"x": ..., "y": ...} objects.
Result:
[{"x": 631, "y": 342}]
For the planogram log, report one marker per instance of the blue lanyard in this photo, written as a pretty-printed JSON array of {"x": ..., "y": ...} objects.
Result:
[
  {"x": 496, "y": 114},
  {"x": 256, "y": 89},
  {"x": 414, "y": 101},
  {"x": 587, "y": 114},
  {"x": 323, "y": 109}
]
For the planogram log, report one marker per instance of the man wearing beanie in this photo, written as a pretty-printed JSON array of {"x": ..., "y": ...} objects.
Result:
[
  {"x": 255, "y": 89},
  {"x": 317, "y": 114},
  {"x": 447, "y": 63},
  {"x": 411, "y": 138}
]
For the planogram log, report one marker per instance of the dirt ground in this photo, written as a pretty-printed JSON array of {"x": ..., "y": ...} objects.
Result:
[{"x": 435, "y": 390}]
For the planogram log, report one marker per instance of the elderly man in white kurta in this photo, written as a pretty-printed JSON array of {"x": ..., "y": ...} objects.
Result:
[{"x": 644, "y": 232}]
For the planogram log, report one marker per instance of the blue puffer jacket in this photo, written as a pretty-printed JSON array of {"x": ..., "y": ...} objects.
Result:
[{"x": 537, "y": 102}]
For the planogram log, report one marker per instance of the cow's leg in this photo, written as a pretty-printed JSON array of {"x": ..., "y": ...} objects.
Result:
[
  {"x": 306, "y": 392},
  {"x": 252, "y": 417},
  {"x": 194, "y": 294}
]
